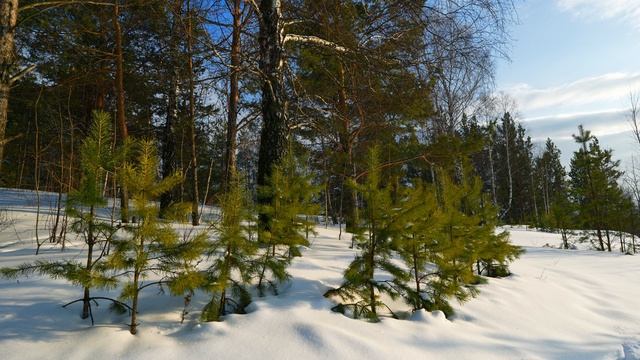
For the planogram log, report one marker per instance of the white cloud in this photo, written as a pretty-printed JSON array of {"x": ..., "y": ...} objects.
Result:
[
  {"x": 585, "y": 95},
  {"x": 601, "y": 123},
  {"x": 628, "y": 10},
  {"x": 610, "y": 127}
]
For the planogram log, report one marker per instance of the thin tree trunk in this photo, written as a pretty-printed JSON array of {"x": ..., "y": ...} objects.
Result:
[
  {"x": 120, "y": 109},
  {"x": 133, "y": 327},
  {"x": 53, "y": 237},
  {"x": 36, "y": 172},
  {"x": 509, "y": 174},
  {"x": 416, "y": 274},
  {"x": 86, "y": 305},
  {"x": 600, "y": 241},
  {"x": 234, "y": 97},
  {"x": 493, "y": 175},
  {"x": 168, "y": 136},
  {"x": 195, "y": 218}
]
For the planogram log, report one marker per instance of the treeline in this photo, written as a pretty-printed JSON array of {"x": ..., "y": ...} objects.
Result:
[{"x": 593, "y": 199}]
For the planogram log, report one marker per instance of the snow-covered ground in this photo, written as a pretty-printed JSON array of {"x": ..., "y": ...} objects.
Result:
[{"x": 559, "y": 304}]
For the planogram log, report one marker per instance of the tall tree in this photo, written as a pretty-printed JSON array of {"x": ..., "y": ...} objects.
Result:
[
  {"x": 593, "y": 184},
  {"x": 8, "y": 22}
]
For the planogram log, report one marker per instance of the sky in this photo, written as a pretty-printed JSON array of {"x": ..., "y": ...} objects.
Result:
[{"x": 575, "y": 62}]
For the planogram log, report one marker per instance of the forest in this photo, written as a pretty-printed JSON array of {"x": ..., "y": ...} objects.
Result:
[{"x": 258, "y": 121}]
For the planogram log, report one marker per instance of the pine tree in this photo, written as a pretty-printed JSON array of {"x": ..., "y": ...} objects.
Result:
[
  {"x": 153, "y": 247},
  {"x": 561, "y": 217},
  {"x": 550, "y": 175},
  {"x": 594, "y": 185},
  {"x": 292, "y": 195},
  {"x": 467, "y": 238},
  {"x": 234, "y": 248},
  {"x": 374, "y": 242},
  {"x": 416, "y": 240},
  {"x": 97, "y": 158}
]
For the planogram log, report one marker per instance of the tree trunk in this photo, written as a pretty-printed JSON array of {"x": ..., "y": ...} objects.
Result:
[
  {"x": 234, "y": 96},
  {"x": 599, "y": 233},
  {"x": 8, "y": 19},
  {"x": 493, "y": 175},
  {"x": 133, "y": 327},
  {"x": 509, "y": 174},
  {"x": 195, "y": 218},
  {"x": 274, "y": 123},
  {"x": 86, "y": 305},
  {"x": 120, "y": 110},
  {"x": 168, "y": 136}
]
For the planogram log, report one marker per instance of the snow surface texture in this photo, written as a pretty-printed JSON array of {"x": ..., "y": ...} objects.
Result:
[{"x": 559, "y": 304}]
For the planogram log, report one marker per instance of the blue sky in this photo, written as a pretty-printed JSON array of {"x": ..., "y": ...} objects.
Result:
[{"x": 573, "y": 62}]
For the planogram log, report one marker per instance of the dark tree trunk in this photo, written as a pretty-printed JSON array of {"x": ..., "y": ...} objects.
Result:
[
  {"x": 86, "y": 305},
  {"x": 169, "y": 144},
  {"x": 599, "y": 232},
  {"x": 195, "y": 218},
  {"x": 168, "y": 136},
  {"x": 274, "y": 122},
  {"x": 234, "y": 96},
  {"x": 8, "y": 18},
  {"x": 120, "y": 110}
]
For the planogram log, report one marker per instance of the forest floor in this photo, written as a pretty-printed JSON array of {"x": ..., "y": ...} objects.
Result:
[{"x": 558, "y": 304}]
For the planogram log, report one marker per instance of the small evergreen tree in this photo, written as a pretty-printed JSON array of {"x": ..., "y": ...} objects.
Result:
[
  {"x": 292, "y": 194},
  {"x": 373, "y": 237},
  {"x": 153, "y": 247},
  {"x": 96, "y": 159},
  {"x": 416, "y": 240},
  {"x": 234, "y": 248},
  {"x": 561, "y": 217}
]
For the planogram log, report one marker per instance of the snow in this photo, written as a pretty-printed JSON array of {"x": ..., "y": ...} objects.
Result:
[{"x": 558, "y": 304}]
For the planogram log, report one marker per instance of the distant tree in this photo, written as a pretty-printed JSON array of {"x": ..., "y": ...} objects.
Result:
[
  {"x": 562, "y": 217},
  {"x": 594, "y": 185},
  {"x": 550, "y": 175}
]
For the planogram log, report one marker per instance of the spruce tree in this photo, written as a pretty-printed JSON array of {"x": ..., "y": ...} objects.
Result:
[
  {"x": 233, "y": 250},
  {"x": 153, "y": 247},
  {"x": 360, "y": 291}
]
